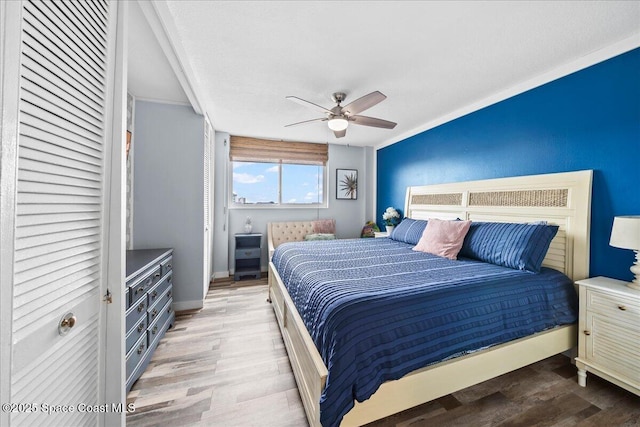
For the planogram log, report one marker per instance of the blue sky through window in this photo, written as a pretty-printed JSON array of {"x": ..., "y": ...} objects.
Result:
[{"x": 257, "y": 183}]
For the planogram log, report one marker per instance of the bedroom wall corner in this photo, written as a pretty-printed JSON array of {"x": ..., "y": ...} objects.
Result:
[
  {"x": 169, "y": 191},
  {"x": 587, "y": 120}
]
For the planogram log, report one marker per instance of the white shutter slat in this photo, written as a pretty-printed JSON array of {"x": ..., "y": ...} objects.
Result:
[
  {"x": 57, "y": 104},
  {"x": 40, "y": 230},
  {"x": 36, "y": 107},
  {"x": 44, "y": 250},
  {"x": 37, "y": 243},
  {"x": 39, "y": 129},
  {"x": 24, "y": 209},
  {"x": 57, "y": 47},
  {"x": 96, "y": 11},
  {"x": 54, "y": 189},
  {"x": 56, "y": 218},
  {"x": 70, "y": 95},
  {"x": 29, "y": 308},
  {"x": 85, "y": 24},
  {"x": 64, "y": 34},
  {"x": 60, "y": 70},
  {"x": 38, "y": 176},
  {"x": 34, "y": 150},
  {"x": 27, "y": 281},
  {"x": 76, "y": 32}
]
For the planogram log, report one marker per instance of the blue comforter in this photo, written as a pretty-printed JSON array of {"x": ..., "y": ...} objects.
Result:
[{"x": 376, "y": 310}]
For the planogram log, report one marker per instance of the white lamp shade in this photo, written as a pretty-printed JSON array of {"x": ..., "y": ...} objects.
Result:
[
  {"x": 338, "y": 124},
  {"x": 625, "y": 233}
]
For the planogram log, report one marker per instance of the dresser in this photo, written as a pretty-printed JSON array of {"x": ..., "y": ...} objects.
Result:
[
  {"x": 248, "y": 255},
  {"x": 148, "y": 300},
  {"x": 609, "y": 332}
]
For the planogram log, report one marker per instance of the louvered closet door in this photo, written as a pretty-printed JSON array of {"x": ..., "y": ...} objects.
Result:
[{"x": 59, "y": 198}]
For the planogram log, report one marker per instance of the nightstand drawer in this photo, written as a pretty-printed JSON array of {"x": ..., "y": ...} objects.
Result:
[
  {"x": 248, "y": 253},
  {"x": 624, "y": 309}
]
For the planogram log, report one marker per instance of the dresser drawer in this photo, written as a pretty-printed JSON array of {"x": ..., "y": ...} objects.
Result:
[
  {"x": 623, "y": 309},
  {"x": 248, "y": 253},
  {"x": 161, "y": 324},
  {"x": 156, "y": 309},
  {"x": 136, "y": 354},
  {"x": 135, "y": 333},
  {"x": 140, "y": 286},
  {"x": 166, "y": 265},
  {"x": 159, "y": 289},
  {"x": 135, "y": 312}
]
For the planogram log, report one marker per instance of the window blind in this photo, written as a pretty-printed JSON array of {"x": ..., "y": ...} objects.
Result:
[{"x": 264, "y": 150}]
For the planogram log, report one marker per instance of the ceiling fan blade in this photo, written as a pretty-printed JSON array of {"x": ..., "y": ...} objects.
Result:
[
  {"x": 364, "y": 103},
  {"x": 308, "y": 104},
  {"x": 372, "y": 121},
  {"x": 340, "y": 133},
  {"x": 323, "y": 119}
]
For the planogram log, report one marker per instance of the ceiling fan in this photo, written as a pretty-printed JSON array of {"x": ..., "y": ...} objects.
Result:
[{"x": 338, "y": 117}]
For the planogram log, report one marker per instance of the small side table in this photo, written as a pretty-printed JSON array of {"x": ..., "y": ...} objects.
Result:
[
  {"x": 248, "y": 255},
  {"x": 609, "y": 340}
]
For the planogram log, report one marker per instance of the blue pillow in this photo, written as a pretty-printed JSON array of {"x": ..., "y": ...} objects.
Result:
[
  {"x": 519, "y": 246},
  {"x": 409, "y": 231}
]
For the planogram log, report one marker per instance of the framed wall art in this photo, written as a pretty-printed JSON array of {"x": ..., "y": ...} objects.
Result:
[{"x": 346, "y": 184}]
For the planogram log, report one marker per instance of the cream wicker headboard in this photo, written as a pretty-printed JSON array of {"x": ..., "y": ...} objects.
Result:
[{"x": 563, "y": 199}]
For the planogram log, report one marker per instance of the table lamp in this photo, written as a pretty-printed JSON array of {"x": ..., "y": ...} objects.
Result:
[{"x": 625, "y": 234}]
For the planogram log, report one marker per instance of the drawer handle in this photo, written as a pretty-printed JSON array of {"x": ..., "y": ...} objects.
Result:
[
  {"x": 139, "y": 290},
  {"x": 247, "y": 253},
  {"x": 587, "y": 332},
  {"x": 141, "y": 327},
  {"x": 154, "y": 294},
  {"x": 156, "y": 275},
  {"x": 140, "y": 308},
  {"x": 622, "y": 307},
  {"x": 154, "y": 313},
  {"x": 155, "y": 330},
  {"x": 169, "y": 310},
  {"x": 141, "y": 349},
  {"x": 169, "y": 294},
  {"x": 168, "y": 266},
  {"x": 149, "y": 280}
]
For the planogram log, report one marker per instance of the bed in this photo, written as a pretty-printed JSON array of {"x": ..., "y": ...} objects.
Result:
[{"x": 559, "y": 199}]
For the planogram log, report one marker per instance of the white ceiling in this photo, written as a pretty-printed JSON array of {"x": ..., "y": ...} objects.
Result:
[{"x": 434, "y": 60}]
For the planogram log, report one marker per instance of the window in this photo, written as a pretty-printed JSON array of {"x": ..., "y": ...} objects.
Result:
[{"x": 276, "y": 173}]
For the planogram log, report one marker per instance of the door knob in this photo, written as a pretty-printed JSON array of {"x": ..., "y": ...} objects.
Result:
[{"x": 67, "y": 322}]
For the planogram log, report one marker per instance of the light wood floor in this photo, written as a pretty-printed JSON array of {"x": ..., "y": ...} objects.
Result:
[{"x": 226, "y": 365}]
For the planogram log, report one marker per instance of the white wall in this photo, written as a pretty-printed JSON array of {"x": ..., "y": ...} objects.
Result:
[
  {"x": 350, "y": 215},
  {"x": 168, "y": 202}
]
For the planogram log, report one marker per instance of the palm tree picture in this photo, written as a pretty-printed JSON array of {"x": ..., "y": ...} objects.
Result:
[{"x": 347, "y": 184}]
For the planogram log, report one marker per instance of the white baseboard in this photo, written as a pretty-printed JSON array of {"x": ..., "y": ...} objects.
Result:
[
  {"x": 187, "y": 305},
  {"x": 221, "y": 274}
]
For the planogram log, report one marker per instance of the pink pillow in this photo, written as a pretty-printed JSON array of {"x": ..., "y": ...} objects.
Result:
[
  {"x": 443, "y": 238},
  {"x": 324, "y": 226}
]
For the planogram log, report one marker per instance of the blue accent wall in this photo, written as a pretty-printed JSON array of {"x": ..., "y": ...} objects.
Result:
[{"x": 587, "y": 120}]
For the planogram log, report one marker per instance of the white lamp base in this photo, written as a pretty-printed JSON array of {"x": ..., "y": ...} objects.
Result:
[{"x": 635, "y": 269}]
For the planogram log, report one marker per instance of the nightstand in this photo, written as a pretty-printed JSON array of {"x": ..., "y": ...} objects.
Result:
[
  {"x": 248, "y": 255},
  {"x": 609, "y": 332}
]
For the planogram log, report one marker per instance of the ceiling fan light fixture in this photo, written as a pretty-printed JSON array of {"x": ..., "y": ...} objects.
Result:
[{"x": 338, "y": 123}]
